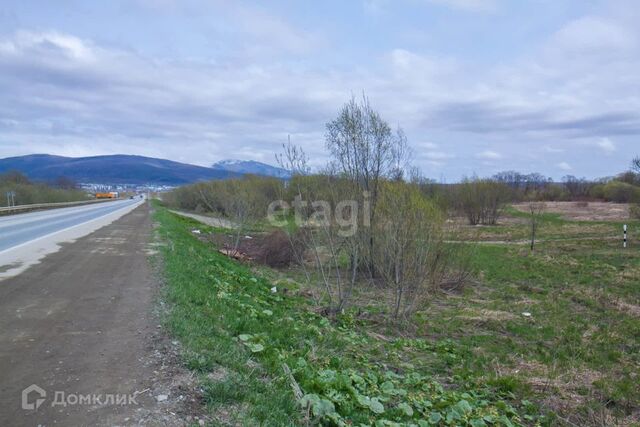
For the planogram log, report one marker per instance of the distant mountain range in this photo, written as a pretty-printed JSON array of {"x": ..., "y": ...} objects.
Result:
[
  {"x": 251, "y": 167},
  {"x": 115, "y": 169},
  {"x": 127, "y": 169}
]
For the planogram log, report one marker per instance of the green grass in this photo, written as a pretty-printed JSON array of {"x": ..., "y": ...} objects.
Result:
[
  {"x": 468, "y": 358},
  {"x": 238, "y": 335},
  {"x": 514, "y": 227},
  {"x": 579, "y": 351},
  {"x": 213, "y": 301}
]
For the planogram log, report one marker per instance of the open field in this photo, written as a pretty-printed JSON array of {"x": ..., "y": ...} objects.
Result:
[
  {"x": 549, "y": 338},
  {"x": 513, "y": 226},
  {"x": 585, "y": 211}
]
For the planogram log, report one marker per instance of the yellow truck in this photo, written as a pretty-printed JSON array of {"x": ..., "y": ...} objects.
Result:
[{"x": 109, "y": 195}]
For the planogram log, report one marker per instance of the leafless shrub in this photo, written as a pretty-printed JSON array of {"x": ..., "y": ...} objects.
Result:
[
  {"x": 411, "y": 255},
  {"x": 318, "y": 237},
  {"x": 482, "y": 200},
  {"x": 577, "y": 188},
  {"x": 536, "y": 211},
  {"x": 280, "y": 250}
]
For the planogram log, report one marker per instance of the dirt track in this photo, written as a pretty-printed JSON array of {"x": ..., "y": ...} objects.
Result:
[{"x": 81, "y": 322}]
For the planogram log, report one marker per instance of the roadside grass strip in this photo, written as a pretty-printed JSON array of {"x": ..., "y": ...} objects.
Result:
[{"x": 267, "y": 358}]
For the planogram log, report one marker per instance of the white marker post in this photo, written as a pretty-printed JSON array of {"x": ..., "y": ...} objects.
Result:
[{"x": 624, "y": 228}]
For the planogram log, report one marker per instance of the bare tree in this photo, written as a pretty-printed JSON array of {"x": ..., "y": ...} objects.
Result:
[
  {"x": 209, "y": 195},
  {"x": 536, "y": 211},
  {"x": 317, "y": 236},
  {"x": 577, "y": 187},
  {"x": 366, "y": 150},
  {"x": 293, "y": 159},
  {"x": 513, "y": 179},
  {"x": 635, "y": 164}
]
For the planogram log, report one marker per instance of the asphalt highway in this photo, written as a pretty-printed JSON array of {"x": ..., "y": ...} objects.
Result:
[
  {"x": 79, "y": 322},
  {"x": 19, "y": 229}
]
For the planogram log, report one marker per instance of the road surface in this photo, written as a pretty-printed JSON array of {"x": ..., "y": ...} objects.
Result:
[
  {"x": 21, "y": 228},
  {"x": 25, "y": 239},
  {"x": 76, "y": 325}
]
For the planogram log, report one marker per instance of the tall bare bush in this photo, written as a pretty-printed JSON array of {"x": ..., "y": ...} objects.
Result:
[
  {"x": 365, "y": 150},
  {"x": 482, "y": 200},
  {"x": 410, "y": 246},
  {"x": 536, "y": 212},
  {"x": 318, "y": 237}
]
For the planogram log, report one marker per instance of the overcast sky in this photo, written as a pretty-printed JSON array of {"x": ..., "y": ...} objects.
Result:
[{"x": 550, "y": 86}]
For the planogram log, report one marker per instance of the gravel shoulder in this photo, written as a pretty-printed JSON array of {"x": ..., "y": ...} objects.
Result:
[
  {"x": 208, "y": 220},
  {"x": 82, "y": 322}
]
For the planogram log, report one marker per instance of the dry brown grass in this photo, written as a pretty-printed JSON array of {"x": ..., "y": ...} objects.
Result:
[
  {"x": 592, "y": 211},
  {"x": 481, "y": 315}
]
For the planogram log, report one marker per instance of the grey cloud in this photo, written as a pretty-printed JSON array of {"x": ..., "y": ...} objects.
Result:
[
  {"x": 616, "y": 123},
  {"x": 57, "y": 87},
  {"x": 483, "y": 117},
  {"x": 139, "y": 99}
]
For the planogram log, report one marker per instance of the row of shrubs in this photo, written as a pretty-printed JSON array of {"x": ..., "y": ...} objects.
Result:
[
  {"x": 610, "y": 191},
  {"x": 481, "y": 201},
  {"x": 27, "y": 192},
  {"x": 616, "y": 191}
]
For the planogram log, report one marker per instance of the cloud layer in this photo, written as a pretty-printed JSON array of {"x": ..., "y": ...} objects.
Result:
[{"x": 571, "y": 94}]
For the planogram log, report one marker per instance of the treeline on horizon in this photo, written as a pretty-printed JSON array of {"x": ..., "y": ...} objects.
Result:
[
  {"x": 28, "y": 192},
  {"x": 505, "y": 187}
]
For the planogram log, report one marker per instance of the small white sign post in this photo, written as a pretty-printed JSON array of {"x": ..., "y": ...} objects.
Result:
[
  {"x": 11, "y": 198},
  {"x": 624, "y": 242}
]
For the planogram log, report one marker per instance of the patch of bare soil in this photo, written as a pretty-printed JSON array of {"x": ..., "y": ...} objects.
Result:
[
  {"x": 174, "y": 390},
  {"x": 585, "y": 211},
  {"x": 274, "y": 249}
]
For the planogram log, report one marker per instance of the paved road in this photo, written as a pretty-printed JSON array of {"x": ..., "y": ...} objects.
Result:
[
  {"x": 78, "y": 323},
  {"x": 18, "y": 229}
]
